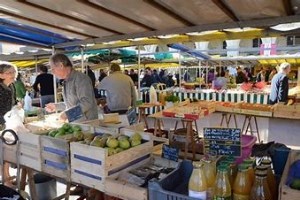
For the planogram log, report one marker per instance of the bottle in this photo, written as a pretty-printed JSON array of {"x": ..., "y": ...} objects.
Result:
[
  {"x": 270, "y": 176},
  {"x": 242, "y": 185},
  {"x": 232, "y": 169},
  {"x": 222, "y": 189},
  {"x": 210, "y": 174},
  {"x": 197, "y": 182},
  {"x": 260, "y": 189},
  {"x": 249, "y": 162},
  {"x": 27, "y": 102},
  {"x": 152, "y": 95}
]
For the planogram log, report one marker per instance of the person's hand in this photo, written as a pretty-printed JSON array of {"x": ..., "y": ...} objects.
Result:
[
  {"x": 63, "y": 116},
  {"x": 50, "y": 107}
]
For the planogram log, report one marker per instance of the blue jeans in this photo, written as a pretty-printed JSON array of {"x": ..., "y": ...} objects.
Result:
[{"x": 46, "y": 99}]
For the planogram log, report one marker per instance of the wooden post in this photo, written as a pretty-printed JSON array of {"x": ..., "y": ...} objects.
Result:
[{"x": 298, "y": 77}]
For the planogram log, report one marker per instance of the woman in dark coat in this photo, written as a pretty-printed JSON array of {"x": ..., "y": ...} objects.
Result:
[{"x": 8, "y": 74}]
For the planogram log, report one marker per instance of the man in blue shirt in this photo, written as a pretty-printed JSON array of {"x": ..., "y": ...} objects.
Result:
[{"x": 280, "y": 84}]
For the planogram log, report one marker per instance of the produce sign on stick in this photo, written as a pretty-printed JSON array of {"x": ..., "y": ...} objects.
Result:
[
  {"x": 170, "y": 153},
  {"x": 222, "y": 141},
  {"x": 74, "y": 113}
]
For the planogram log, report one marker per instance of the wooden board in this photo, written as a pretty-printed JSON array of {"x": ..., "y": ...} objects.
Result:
[
  {"x": 286, "y": 114},
  {"x": 285, "y": 192},
  {"x": 257, "y": 113},
  {"x": 91, "y": 165},
  {"x": 29, "y": 151},
  {"x": 55, "y": 154},
  {"x": 129, "y": 191}
]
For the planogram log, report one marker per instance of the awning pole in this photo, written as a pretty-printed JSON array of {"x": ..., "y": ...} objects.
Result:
[
  {"x": 54, "y": 80},
  {"x": 36, "y": 65},
  {"x": 179, "y": 62},
  {"x": 206, "y": 73},
  {"x": 139, "y": 72},
  {"x": 82, "y": 59}
]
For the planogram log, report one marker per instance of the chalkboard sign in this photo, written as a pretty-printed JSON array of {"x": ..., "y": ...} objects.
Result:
[
  {"x": 74, "y": 113},
  {"x": 222, "y": 141},
  {"x": 170, "y": 153},
  {"x": 132, "y": 116}
]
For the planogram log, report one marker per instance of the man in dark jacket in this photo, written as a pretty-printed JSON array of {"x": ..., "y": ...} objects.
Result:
[
  {"x": 44, "y": 85},
  {"x": 280, "y": 84}
]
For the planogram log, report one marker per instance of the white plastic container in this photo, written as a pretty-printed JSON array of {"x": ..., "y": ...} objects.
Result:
[{"x": 27, "y": 102}]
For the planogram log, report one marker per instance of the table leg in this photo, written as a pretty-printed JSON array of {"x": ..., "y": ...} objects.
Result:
[
  {"x": 155, "y": 127},
  {"x": 23, "y": 179},
  {"x": 191, "y": 136},
  {"x": 235, "y": 122},
  {"x": 32, "y": 188},
  {"x": 257, "y": 131},
  {"x": 244, "y": 125}
]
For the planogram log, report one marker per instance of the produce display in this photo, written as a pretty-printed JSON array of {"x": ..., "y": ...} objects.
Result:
[
  {"x": 114, "y": 144},
  {"x": 68, "y": 132},
  {"x": 255, "y": 106}
]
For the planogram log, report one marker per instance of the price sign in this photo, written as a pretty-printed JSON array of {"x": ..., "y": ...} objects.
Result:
[
  {"x": 74, "y": 113},
  {"x": 170, "y": 153},
  {"x": 222, "y": 141}
]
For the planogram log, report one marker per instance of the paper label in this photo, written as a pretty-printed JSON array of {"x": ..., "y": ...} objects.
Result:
[
  {"x": 240, "y": 197},
  {"x": 198, "y": 195}
]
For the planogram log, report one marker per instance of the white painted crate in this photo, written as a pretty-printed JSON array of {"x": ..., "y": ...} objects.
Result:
[{"x": 91, "y": 165}]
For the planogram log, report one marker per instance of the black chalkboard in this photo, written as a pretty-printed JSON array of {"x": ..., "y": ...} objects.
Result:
[
  {"x": 74, "y": 113},
  {"x": 222, "y": 141},
  {"x": 170, "y": 153}
]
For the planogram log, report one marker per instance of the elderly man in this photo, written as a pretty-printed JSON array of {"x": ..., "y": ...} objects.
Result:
[
  {"x": 120, "y": 90},
  {"x": 77, "y": 90},
  {"x": 280, "y": 84}
]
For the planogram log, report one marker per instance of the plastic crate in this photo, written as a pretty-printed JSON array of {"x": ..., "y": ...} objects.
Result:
[
  {"x": 174, "y": 186},
  {"x": 247, "y": 143}
]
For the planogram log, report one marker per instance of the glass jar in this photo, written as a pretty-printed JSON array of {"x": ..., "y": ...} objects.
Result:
[{"x": 197, "y": 182}]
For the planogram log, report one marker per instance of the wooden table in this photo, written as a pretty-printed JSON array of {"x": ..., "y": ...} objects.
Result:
[
  {"x": 188, "y": 124},
  {"x": 142, "y": 111}
]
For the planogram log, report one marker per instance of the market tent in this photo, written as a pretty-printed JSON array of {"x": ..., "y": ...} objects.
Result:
[
  {"x": 71, "y": 23},
  {"x": 29, "y": 63}
]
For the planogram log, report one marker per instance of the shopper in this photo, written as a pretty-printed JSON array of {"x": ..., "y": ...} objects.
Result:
[
  {"x": 272, "y": 74},
  {"x": 102, "y": 75},
  {"x": 8, "y": 73},
  {"x": 91, "y": 74},
  {"x": 148, "y": 79},
  {"x": 77, "y": 89},
  {"x": 20, "y": 87},
  {"x": 241, "y": 77},
  {"x": 280, "y": 84},
  {"x": 134, "y": 76},
  {"x": 120, "y": 91},
  {"x": 44, "y": 85},
  {"x": 261, "y": 76}
]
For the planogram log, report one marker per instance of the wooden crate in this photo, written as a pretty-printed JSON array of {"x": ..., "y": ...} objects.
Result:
[
  {"x": 128, "y": 191},
  {"x": 29, "y": 154},
  {"x": 220, "y": 108},
  {"x": 287, "y": 114},
  {"x": 101, "y": 127},
  {"x": 285, "y": 192},
  {"x": 55, "y": 155},
  {"x": 157, "y": 141},
  {"x": 91, "y": 165}
]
